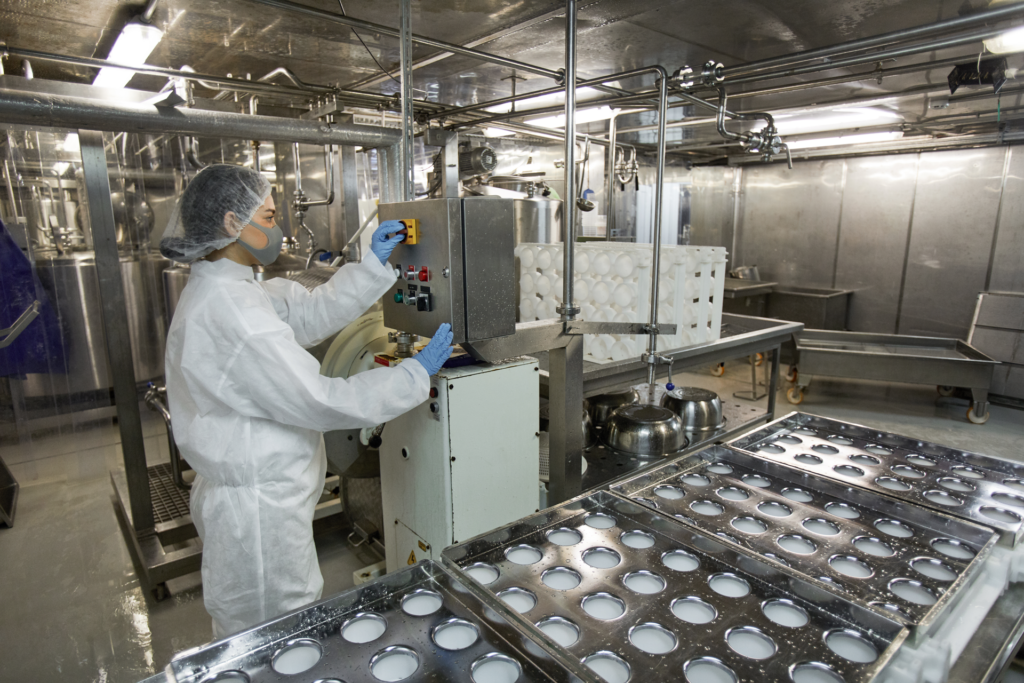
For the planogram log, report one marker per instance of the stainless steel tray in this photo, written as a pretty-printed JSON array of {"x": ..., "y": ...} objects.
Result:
[
  {"x": 329, "y": 627},
  {"x": 823, "y": 530},
  {"x": 566, "y": 542},
  {"x": 969, "y": 485}
]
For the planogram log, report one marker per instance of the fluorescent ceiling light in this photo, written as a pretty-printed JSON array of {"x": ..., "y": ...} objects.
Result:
[
  {"x": 582, "y": 116},
  {"x": 855, "y": 139},
  {"x": 71, "y": 144},
  {"x": 544, "y": 101},
  {"x": 835, "y": 119},
  {"x": 490, "y": 132},
  {"x": 1011, "y": 41},
  {"x": 132, "y": 48}
]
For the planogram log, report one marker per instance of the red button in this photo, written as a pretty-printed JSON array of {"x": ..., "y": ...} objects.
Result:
[
  {"x": 412, "y": 267},
  {"x": 433, "y": 392},
  {"x": 424, "y": 274}
]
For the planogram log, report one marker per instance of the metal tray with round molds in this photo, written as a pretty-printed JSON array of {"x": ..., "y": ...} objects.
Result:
[
  {"x": 909, "y": 561},
  {"x": 417, "y": 624},
  {"x": 638, "y": 597},
  {"x": 968, "y": 485}
]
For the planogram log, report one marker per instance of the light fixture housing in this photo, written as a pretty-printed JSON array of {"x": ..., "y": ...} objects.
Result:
[
  {"x": 582, "y": 116},
  {"x": 132, "y": 48},
  {"x": 1006, "y": 43},
  {"x": 836, "y": 119},
  {"x": 842, "y": 140}
]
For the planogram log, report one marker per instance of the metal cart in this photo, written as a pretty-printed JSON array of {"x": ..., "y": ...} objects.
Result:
[{"x": 945, "y": 363}]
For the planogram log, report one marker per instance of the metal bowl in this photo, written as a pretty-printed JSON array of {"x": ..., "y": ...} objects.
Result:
[
  {"x": 589, "y": 433},
  {"x": 645, "y": 430},
  {"x": 699, "y": 409},
  {"x": 602, "y": 406}
]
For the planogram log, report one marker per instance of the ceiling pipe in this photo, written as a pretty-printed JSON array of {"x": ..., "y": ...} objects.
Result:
[
  {"x": 440, "y": 56},
  {"x": 422, "y": 40},
  {"x": 358, "y": 98},
  {"x": 557, "y": 76},
  {"x": 883, "y": 55},
  {"x": 999, "y": 14},
  {"x": 62, "y": 111}
]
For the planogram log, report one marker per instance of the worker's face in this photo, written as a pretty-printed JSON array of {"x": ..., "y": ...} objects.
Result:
[{"x": 265, "y": 216}]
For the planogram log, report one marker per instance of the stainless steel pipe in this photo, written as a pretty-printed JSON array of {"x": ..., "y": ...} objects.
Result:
[
  {"x": 569, "y": 308},
  {"x": 422, "y": 40},
  {"x": 893, "y": 37},
  {"x": 405, "y": 58},
  {"x": 60, "y": 111},
  {"x": 891, "y": 53},
  {"x": 652, "y": 343}
]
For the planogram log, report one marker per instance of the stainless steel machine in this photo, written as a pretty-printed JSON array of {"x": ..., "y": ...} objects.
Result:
[{"x": 455, "y": 266}]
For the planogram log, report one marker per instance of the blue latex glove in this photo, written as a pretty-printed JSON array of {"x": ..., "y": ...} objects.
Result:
[
  {"x": 381, "y": 245},
  {"x": 434, "y": 354}
]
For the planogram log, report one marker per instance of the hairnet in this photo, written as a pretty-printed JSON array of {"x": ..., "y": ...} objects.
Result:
[{"x": 198, "y": 225}]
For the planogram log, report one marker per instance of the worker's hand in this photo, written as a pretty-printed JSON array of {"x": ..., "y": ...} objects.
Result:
[
  {"x": 385, "y": 237},
  {"x": 434, "y": 354}
]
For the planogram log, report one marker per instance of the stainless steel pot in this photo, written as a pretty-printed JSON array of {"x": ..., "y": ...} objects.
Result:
[
  {"x": 645, "y": 430},
  {"x": 745, "y": 273},
  {"x": 699, "y": 409},
  {"x": 602, "y": 406}
]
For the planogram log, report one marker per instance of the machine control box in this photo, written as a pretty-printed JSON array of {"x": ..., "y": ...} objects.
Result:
[{"x": 456, "y": 266}]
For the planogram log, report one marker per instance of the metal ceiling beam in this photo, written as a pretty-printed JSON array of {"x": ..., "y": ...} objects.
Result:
[
  {"x": 422, "y": 40},
  {"x": 61, "y": 111},
  {"x": 1007, "y": 12}
]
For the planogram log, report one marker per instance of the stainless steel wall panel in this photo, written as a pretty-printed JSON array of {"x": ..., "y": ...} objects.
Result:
[
  {"x": 712, "y": 206},
  {"x": 951, "y": 240},
  {"x": 789, "y": 222},
  {"x": 877, "y": 202},
  {"x": 1008, "y": 255}
]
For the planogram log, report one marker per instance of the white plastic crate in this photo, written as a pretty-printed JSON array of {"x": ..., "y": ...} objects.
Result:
[{"x": 613, "y": 284}]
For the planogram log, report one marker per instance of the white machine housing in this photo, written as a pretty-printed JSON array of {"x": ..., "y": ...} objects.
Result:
[{"x": 463, "y": 463}]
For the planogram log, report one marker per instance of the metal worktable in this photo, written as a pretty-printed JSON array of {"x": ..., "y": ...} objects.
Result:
[
  {"x": 742, "y": 336},
  {"x": 939, "y": 361}
]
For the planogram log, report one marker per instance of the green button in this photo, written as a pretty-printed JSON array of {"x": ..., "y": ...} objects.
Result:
[{"x": 398, "y": 297}]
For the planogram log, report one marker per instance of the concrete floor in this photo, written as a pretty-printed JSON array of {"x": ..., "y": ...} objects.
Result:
[{"x": 73, "y": 608}]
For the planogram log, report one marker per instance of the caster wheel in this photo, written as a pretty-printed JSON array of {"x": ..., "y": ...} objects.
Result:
[
  {"x": 945, "y": 391},
  {"x": 792, "y": 374},
  {"x": 160, "y": 592},
  {"x": 795, "y": 395},
  {"x": 974, "y": 419},
  {"x": 718, "y": 370}
]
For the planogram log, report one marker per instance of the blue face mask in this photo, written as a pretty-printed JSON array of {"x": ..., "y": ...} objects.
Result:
[{"x": 269, "y": 253}]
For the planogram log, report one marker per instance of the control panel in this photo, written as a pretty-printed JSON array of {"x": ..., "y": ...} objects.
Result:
[{"x": 456, "y": 265}]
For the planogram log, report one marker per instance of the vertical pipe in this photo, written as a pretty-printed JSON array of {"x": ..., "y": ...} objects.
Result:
[
  {"x": 652, "y": 344},
  {"x": 115, "y": 328},
  {"x": 405, "y": 55},
  {"x": 296, "y": 162},
  {"x": 569, "y": 308},
  {"x": 383, "y": 182},
  {"x": 349, "y": 223},
  {"x": 609, "y": 169}
]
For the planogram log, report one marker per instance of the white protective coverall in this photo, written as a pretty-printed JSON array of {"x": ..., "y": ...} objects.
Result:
[{"x": 248, "y": 406}]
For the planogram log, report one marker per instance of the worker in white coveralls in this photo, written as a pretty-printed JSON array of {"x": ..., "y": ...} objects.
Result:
[{"x": 248, "y": 403}]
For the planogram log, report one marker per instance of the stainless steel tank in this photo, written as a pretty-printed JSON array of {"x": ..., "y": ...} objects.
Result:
[
  {"x": 175, "y": 278},
  {"x": 537, "y": 220},
  {"x": 72, "y": 285}
]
